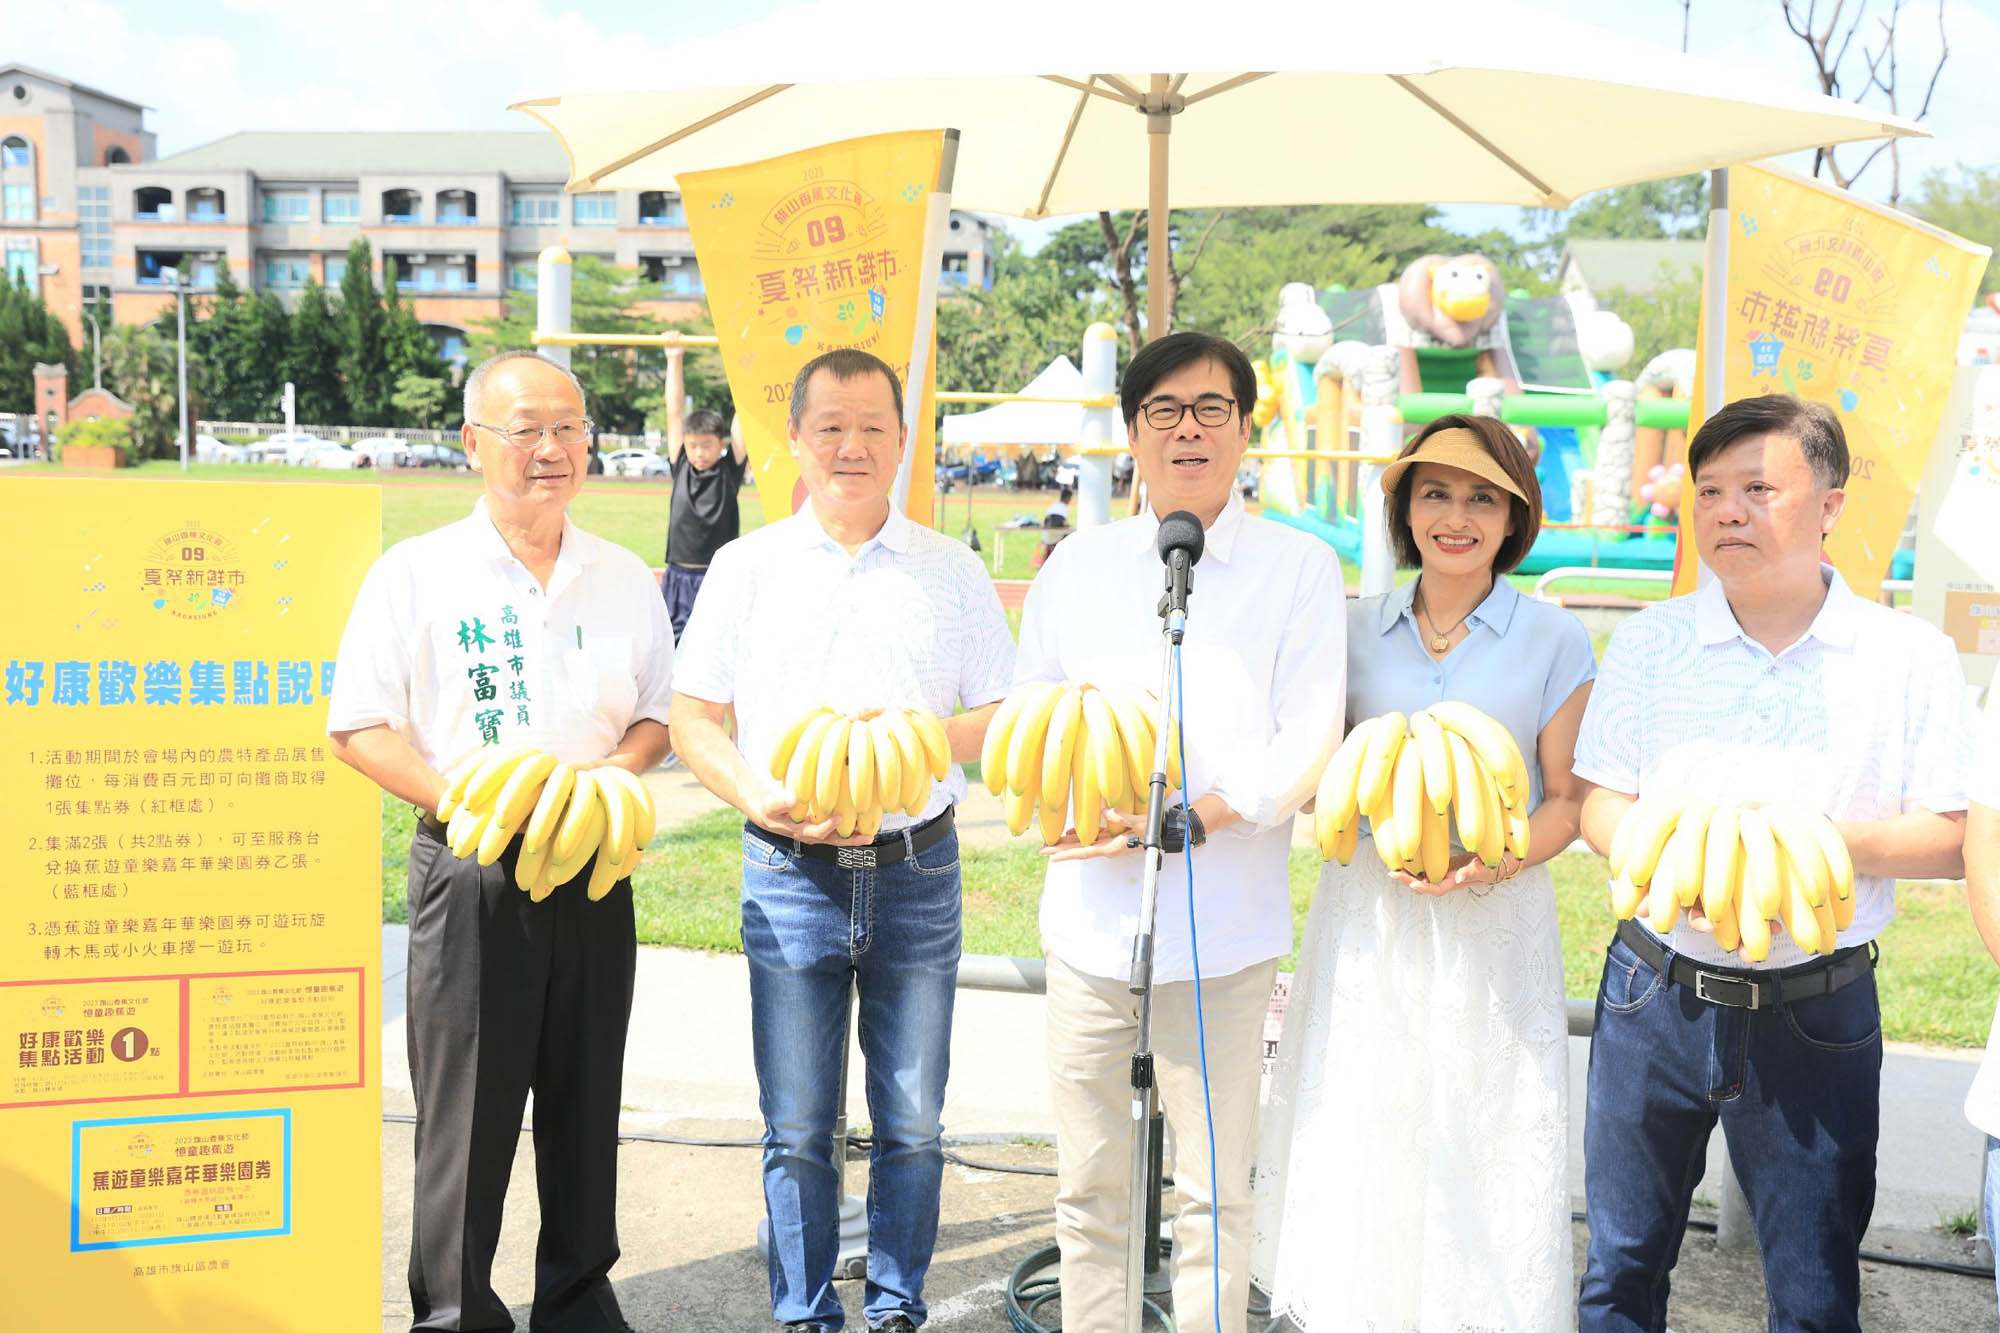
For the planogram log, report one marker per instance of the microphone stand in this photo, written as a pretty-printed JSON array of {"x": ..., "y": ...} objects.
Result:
[{"x": 1142, "y": 1245}]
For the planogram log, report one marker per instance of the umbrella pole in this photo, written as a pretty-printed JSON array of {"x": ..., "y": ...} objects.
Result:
[{"x": 1159, "y": 262}]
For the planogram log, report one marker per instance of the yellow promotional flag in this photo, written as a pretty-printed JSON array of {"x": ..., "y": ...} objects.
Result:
[
  {"x": 1851, "y": 304},
  {"x": 190, "y": 941},
  {"x": 835, "y": 246}
]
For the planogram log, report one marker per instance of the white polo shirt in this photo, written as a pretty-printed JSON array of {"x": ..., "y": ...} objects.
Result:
[
  {"x": 454, "y": 645},
  {"x": 788, "y": 621},
  {"x": 1265, "y": 665},
  {"x": 1982, "y": 787},
  {"x": 1862, "y": 718}
]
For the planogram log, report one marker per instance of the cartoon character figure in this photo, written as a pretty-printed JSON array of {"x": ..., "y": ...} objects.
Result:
[{"x": 1455, "y": 318}]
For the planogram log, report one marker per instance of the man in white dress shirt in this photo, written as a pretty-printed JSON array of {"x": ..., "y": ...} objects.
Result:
[
  {"x": 509, "y": 626},
  {"x": 1264, "y": 663},
  {"x": 1774, "y": 684},
  {"x": 850, "y": 605}
]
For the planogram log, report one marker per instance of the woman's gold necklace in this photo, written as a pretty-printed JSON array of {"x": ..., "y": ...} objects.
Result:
[{"x": 1440, "y": 639}]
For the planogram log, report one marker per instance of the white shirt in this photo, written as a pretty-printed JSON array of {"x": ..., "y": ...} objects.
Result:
[
  {"x": 1265, "y": 666},
  {"x": 454, "y": 645},
  {"x": 1982, "y": 787},
  {"x": 787, "y": 621},
  {"x": 1862, "y": 718}
]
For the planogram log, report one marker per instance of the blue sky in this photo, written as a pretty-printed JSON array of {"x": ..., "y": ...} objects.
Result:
[{"x": 213, "y": 67}]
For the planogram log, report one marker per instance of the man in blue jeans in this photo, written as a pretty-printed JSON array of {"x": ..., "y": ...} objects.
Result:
[
  {"x": 1774, "y": 684},
  {"x": 849, "y": 605}
]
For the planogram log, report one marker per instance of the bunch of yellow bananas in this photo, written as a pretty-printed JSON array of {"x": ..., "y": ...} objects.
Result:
[
  {"x": 1746, "y": 866},
  {"x": 564, "y": 815},
  {"x": 856, "y": 767},
  {"x": 1052, "y": 745},
  {"x": 1407, "y": 775}
]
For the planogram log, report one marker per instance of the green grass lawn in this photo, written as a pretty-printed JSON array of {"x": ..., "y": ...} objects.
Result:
[{"x": 1937, "y": 984}]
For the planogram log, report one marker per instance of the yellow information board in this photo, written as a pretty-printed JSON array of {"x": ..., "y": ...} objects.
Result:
[
  {"x": 190, "y": 1120},
  {"x": 815, "y": 250},
  {"x": 1847, "y": 303}
]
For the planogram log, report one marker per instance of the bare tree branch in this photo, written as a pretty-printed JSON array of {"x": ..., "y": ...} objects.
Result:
[{"x": 1830, "y": 43}]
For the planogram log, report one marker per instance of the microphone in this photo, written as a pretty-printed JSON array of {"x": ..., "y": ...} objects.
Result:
[{"x": 1180, "y": 542}]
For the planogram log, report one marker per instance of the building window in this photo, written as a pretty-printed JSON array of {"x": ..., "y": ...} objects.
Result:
[
  {"x": 596, "y": 210},
  {"x": 660, "y": 209},
  {"x": 676, "y": 275},
  {"x": 14, "y": 152},
  {"x": 336, "y": 269},
  {"x": 286, "y": 273},
  {"x": 536, "y": 210},
  {"x": 23, "y": 270},
  {"x": 93, "y": 211},
  {"x": 151, "y": 203},
  {"x": 458, "y": 206},
  {"x": 339, "y": 206},
  {"x": 115, "y": 156},
  {"x": 204, "y": 273},
  {"x": 20, "y": 203},
  {"x": 402, "y": 206},
  {"x": 207, "y": 206},
  {"x": 521, "y": 275},
  {"x": 287, "y": 206}
]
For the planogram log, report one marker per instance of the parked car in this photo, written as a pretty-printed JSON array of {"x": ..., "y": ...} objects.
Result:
[
  {"x": 208, "y": 449},
  {"x": 283, "y": 448},
  {"x": 381, "y": 451},
  {"x": 329, "y": 454},
  {"x": 629, "y": 462},
  {"x": 436, "y": 455},
  {"x": 656, "y": 466}
]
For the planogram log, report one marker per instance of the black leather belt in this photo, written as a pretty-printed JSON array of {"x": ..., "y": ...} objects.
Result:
[
  {"x": 886, "y": 850},
  {"x": 1742, "y": 988}
]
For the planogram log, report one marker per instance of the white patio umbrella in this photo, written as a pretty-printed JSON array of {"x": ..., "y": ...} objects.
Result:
[{"x": 1426, "y": 101}]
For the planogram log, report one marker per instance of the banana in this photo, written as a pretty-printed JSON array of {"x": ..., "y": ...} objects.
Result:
[
  {"x": 1517, "y": 830},
  {"x": 1797, "y": 841},
  {"x": 1059, "y": 749},
  {"x": 1839, "y": 863},
  {"x": 1378, "y": 766},
  {"x": 788, "y": 744},
  {"x": 1491, "y": 741},
  {"x": 645, "y": 820},
  {"x": 603, "y": 876},
  {"x": 1337, "y": 800},
  {"x": 462, "y": 833},
  {"x": 846, "y": 815},
  {"x": 529, "y": 867},
  {"x": 1346, "y": 841},
  {"x": 993, "y": 746},
  {"x": 1055, "y": 818},
  {"x": 1382, "y": 831},
  {"x": 582, "y": 821},
  {"x": 869, "y": 823},
  {"x": 617, "y": 842},
  {"x": 1843, "y": 910},
  {"x": 541, "y": 825},
  {"x": 1467, "y": 799},
  {"x": 1429, "y": 739},
  {"x": 1135, "y": 737},
  {"x": 1753, "y": 927},
  {"x": 494, "y": 835},
  {"x": 829, "y": 779},
  {"x": 1107, "y": 751},
  {"x": 888, "y": 763},
  {"x": 916, "y": 790},
  {"x": 485, "y": 784},
  {"x": 1761, "y": 883},
  {"x": 1656, "y": 817},
  {"x": 1728, "y": 930},
  {"x": 1621, "y": 842},
  {"x": 1031, "y": 729},
  {"x": 930, "y": 730},
  {"x": 1828, "y": 924},
  {"x": 1019, "y": 808},
  {"x": 1689, "y": 836},
  {"x": 1435, "y": 845},
  {"x": 1795, "y": 911},
  {"x": 1625, "y": 898},
  {"x": 1722, "y": 860},
  {"x": 515, "y": 802},
  {"x": 1406, "y": 802},
  {"x": 454, "y": 787},
  {"x": 860, "y": 781},
  {"x": 1663, "y": 908},
  {"x": 1086, "y": 799},
  {"x": 801, "y": 776},
  {"x": 1492, "y": 818},
  {"x": 561, "y": 871}
]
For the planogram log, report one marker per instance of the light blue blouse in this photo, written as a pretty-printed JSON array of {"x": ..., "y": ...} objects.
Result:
[{"x": 1519, "y": 664}]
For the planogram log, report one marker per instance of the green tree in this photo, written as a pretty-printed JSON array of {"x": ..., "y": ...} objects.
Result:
[
  {"x": 94, "y": 433},
  {"x": 29, "y": 333},
  {"x": 420, "y": 399},
  {"x": 1966, "y": 203},
  {"x": 1001, "y": 338},
  {"x": 409, "y": 349},
  {"x": 140, "y": 366},
  {"x": 312, "y": 359},
  {"x": 1668, "y": 316},
  {"x": 364, "y": 352}
]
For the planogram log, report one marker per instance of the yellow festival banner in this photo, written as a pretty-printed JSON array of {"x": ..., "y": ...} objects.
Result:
[
  {"x": 835, "y": 246},
  {"x": 1851, "y": 304},
  {"x": 190, "y": 1110}
]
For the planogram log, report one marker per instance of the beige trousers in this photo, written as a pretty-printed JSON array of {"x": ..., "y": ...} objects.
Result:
[{"x": 1092, "y": 1025}]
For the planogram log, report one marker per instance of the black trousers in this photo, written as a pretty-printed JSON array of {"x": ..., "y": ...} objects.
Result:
[{"x": 507, "y": 995}]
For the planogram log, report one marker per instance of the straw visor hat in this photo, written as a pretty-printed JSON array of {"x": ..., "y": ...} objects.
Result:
[{"x": 1454, "y": 446}]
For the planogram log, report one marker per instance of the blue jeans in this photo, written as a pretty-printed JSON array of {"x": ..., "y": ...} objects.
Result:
[
  {"x": 813, "y": 930},
  {"x": 1796, "y": 1089}
]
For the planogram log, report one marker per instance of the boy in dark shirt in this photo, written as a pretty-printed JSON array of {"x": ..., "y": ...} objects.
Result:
[{"x": 708, "y": 471}]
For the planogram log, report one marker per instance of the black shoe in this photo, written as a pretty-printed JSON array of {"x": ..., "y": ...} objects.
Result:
[{"x": 896, "y": 1323}]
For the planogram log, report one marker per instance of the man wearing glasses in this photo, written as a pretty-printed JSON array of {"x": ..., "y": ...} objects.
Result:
[
  {"x": 1264, "y": 664},
  {"x": 510, "y": 626}
]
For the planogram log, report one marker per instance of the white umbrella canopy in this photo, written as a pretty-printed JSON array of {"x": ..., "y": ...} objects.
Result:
[{"x": 1429, "y": 101}]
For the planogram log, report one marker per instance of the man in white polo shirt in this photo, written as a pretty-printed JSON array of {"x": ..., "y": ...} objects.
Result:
[
  {"x": 1775, "y": 684},
  {"x": 847, "y": 604},
  {"x": 509, "y": 626},
  {"x": 1982, "y": 887},
  {"x": 1265, "y": 670}
]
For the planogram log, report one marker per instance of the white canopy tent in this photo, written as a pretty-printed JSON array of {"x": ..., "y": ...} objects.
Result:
[{"x": 1027, "y": 423}]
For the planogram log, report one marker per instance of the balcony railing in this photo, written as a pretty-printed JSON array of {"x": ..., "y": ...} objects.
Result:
[
  {"x": 208, "y": 217},
  {"x": 457, "y": 220},
  {"x": 663, "y": 220},
  {"x": 403, "y": 219},
  {"x": 954, "y": 278}
]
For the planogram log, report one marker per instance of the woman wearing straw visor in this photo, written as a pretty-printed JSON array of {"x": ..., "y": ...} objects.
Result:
[{"x": 1412, "y": 1173}]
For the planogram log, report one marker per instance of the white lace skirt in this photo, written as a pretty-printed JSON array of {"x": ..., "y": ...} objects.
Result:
[{"x": 1412, "y": 1170}]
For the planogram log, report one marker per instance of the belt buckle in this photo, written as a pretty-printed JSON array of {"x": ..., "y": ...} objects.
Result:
[
  {"x": 1702, "y": 978},
  {"x": 854, "y": 858}
]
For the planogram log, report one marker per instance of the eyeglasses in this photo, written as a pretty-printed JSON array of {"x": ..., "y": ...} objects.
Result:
[
  {"x": 569, "y": 432},
  {"x": 1167, "y": 413}
]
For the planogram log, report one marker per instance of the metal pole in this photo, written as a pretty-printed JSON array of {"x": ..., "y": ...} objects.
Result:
[
  {"x": 553, "y": 272},
  {"x": 923, "y": 338},
  {"x": 676, "y": 396},
  {"x": 1099, "y": 426},
  {"x": 1159, "y": 261},
  {"x": 96, "y": 348},
  {"x": 180, "y": 299}
]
